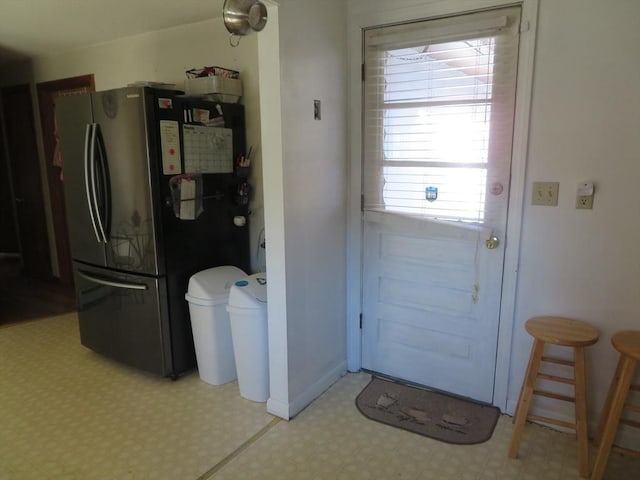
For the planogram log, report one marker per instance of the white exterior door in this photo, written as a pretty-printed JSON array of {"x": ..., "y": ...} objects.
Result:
[{"x": 438, "y": 124}]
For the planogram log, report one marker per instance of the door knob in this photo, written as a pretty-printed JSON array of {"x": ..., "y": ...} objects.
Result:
[{"x": 492, "y": 242}]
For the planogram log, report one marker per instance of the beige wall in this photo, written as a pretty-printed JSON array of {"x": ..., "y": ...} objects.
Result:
[{"x": 584, "y": 127}]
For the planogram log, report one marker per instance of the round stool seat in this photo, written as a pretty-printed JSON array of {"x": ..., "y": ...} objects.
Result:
[
  {"x": 628, "y": 343},
  {"x": 562, "y": 331}
]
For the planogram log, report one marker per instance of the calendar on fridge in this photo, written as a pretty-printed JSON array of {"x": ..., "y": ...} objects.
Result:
[{"x": 208, "y": 149}]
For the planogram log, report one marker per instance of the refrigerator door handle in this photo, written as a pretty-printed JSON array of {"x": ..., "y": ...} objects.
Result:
[
  {"x": 104, "y": 186},
  {"x": 112, "y": 283},
  {"x": 88, "y": 176},
  {"x": 94, "y": 184}
]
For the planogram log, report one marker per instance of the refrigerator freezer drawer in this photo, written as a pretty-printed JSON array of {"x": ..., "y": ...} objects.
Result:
[{"x": 124, "y": 317}]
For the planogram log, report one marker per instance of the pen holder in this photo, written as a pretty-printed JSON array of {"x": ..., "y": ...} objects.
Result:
[
  {"x": 242, "y": 165},
  {"x": 242, "y": 168},
  {"x": 242, "y": 172}
]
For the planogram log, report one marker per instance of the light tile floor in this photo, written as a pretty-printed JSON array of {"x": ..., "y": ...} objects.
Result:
[{"x": 66, "y": 413}]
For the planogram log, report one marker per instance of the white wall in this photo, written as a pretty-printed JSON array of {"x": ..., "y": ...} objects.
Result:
[
  {"x": 164, "y": 56},
  {"x": 584, "y": 127},
  {"x": 311, "y": 233},
  {"x": 585, "y": 112}
]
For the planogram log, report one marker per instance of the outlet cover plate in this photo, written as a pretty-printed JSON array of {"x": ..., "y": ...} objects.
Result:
[
  {"x": 584, "y": 202},
  {"x": 545, "y": 193}
]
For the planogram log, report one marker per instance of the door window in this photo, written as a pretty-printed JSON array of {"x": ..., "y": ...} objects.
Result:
[{"x": 439, "y": 98}]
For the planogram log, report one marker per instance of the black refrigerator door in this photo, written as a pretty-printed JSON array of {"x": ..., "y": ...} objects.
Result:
[
  {"x": 132, "y": 237},
  {"x": 212, "y": 239},
  {"x": 83, "y": 190},
  {"x": 124, "y": 317}
]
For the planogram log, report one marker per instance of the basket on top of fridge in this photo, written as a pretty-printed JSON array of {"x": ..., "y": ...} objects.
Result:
[
  {"x": 214, "y": 83},
  {"x": 212, "y": 72}
]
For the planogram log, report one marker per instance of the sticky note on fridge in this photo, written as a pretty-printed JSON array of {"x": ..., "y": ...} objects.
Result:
[
  {"x": 170, "y": 146},
  {"x": 187, "y": 199}
]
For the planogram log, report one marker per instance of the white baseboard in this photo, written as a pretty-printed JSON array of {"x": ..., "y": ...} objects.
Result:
[
  {"x": 277, "y": 408},
  {"x": 296, "y": 405}
]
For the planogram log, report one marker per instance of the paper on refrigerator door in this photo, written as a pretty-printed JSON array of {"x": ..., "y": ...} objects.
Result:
[
  {"x": 170, "y": 145},
  {"x": 187, "y": 199}
]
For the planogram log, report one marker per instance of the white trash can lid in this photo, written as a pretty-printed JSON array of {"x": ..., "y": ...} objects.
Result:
[
  {"x": 249, "y": 292},
  {"x": 211, "y": 286}
]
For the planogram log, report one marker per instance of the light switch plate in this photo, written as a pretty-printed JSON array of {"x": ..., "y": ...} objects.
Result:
[{"x": 545, "y": 193}]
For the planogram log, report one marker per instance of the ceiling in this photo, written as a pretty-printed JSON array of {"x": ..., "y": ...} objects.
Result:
[{"x": 31, "y": 28}]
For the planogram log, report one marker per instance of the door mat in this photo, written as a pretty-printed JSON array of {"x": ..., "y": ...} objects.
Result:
[{"x": 425, "y": 412}]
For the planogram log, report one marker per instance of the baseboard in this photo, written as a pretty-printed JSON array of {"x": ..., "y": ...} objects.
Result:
[
  {"x": 296, "y": 405},
  {"x": 278, "y": 408}
]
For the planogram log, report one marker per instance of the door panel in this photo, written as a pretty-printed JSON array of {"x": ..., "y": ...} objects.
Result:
[
  {"x": 132, "y": 242},
  {"x": 438, "y": 111},
  {"x": 74, "y": 114},
  {"x": 425, "y": 318},
  {"x": 123, "y": 317}
]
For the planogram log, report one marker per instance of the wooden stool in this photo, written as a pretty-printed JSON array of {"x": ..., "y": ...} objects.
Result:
[
  {"x": 568, "y": 333},
  {"x": 628, "y": 344}
]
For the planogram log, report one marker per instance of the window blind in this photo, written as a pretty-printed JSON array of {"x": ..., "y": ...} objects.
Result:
[{"x": 438, "y": 114}]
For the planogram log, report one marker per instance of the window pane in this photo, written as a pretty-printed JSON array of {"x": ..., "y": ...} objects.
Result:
[
  {"x": 461, "y": 192},
  {"x": 445, "y": 71},
  {"x": 438, "y": 99},
  {"x": 457, "y": 133}
]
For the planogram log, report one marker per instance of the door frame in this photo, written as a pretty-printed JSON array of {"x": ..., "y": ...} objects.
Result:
[
  {"x": 47, "y": 92},
  {"x": 369, "y": 13}
]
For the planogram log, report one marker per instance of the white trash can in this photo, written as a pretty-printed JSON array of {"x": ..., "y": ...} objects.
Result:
[
  {"x": 248, "y": 315},
  {"x": 207, "y": 294}
]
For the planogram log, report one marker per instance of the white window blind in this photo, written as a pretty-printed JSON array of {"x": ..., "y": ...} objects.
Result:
[{"x": 438, "y": 114}]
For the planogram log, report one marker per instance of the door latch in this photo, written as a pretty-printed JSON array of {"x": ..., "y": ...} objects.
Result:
[{"x": 492, "y": 242}]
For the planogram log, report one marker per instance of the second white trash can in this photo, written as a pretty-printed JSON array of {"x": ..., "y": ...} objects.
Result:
[
  {"x": 207, "y": 294},
  {"x": 248, "y": 315}
]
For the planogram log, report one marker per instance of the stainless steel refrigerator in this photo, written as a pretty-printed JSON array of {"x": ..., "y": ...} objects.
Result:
[{"x": 133, "y": 254}]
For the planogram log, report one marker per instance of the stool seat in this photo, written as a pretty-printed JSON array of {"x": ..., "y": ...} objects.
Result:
[
  {"x": 628, "y": 343},
  {"x": 562, "y": 331}
]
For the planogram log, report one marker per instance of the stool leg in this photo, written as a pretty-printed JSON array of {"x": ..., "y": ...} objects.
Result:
[
  {"x": 581, "y": 412},
  {"x": 627, "y": 369},
  {"x": 526, "y": 395},
  {"x": 524, "y": 382},
  {"x": 607, "y": 403}
]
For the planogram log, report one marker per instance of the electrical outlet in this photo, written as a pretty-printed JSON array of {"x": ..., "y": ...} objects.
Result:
[
  {"x": 584, "y": 197},
  {"x": 545, "y": 193},
  {"x": 584, "y": 202}
]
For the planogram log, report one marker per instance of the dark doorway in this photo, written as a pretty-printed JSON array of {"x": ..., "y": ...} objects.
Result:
[
  {"x": 24, "y": 173},
  {"x": 8, "y": 230},
  {"x": 47, "y": 93}
]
